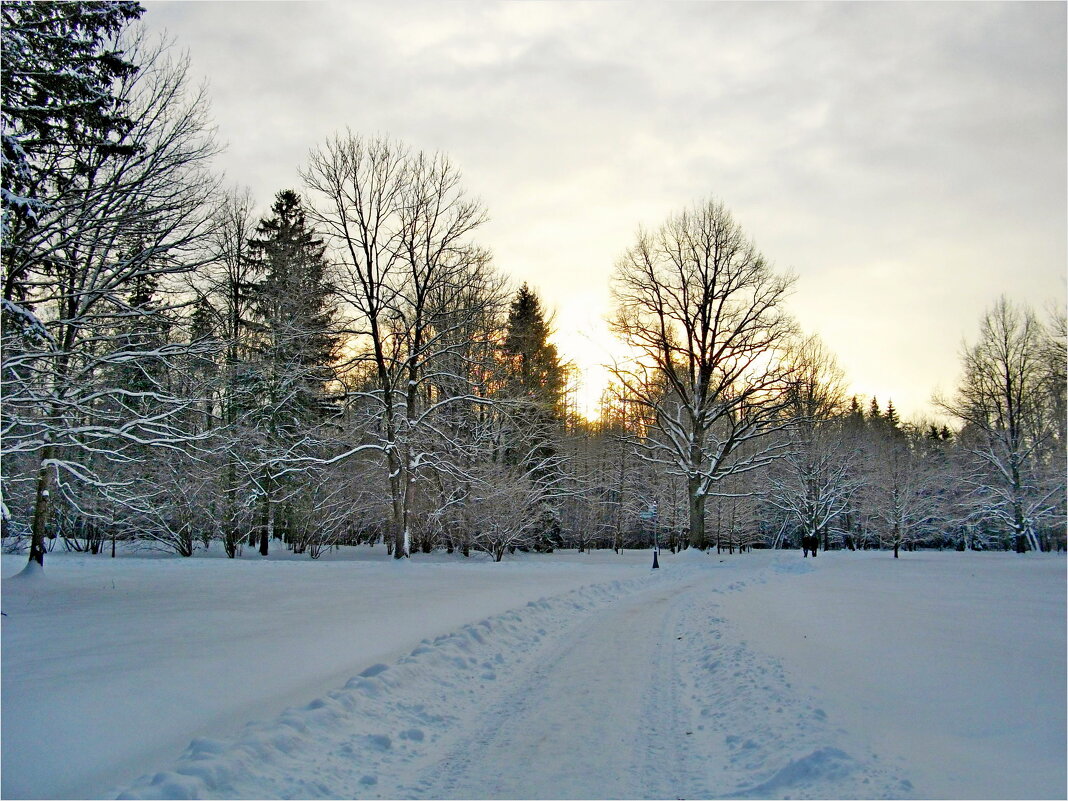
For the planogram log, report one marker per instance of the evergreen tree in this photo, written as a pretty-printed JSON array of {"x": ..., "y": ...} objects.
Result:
[
  {"x": 294, "y": 308},
  {"x": 533, "y": 364},
  {"x": 56, "y": 93},
  {"x": 891, "y": 418},
  {"x": 294, "y": 344},
  {"x": 535, "y": 381},
  {"x": 856, "y": 413}
]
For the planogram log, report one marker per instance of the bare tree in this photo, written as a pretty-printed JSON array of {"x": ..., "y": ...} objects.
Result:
[
  {"x": 735, "y": 512},
  {"x": 817, "y": 476},
  {"x": 900, "y": 491},
  {"x": 226, "y": 286},
  {"x": 704, "y": 310},
  {"x": 93, "y": 303},
  {"x": 1010, "y": 428},
  {"x": 503, "y": 499},
  {"x": 398, "y": 225}
]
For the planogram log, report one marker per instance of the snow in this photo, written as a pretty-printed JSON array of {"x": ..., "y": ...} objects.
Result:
[
  {"x": 545, "y": 676},
  {"x": 959, "y": 658}
]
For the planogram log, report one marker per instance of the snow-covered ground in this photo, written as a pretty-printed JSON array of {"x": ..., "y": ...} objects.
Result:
[{"x": 561, "y": 676}]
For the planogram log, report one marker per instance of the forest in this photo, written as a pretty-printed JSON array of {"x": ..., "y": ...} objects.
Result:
[{"x": 352, "y": 367}]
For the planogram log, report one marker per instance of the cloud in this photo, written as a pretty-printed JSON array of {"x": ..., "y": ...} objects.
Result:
[{"x": 907, "y": 159}]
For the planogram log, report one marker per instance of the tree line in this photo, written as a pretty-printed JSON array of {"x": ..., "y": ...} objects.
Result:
[{"x": 353, "y": 368}]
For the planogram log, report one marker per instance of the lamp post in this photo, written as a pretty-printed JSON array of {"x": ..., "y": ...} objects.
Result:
[{"x": 649, "y": 515}]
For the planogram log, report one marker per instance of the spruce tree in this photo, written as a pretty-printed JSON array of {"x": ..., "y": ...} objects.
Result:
[
  {"x": 890, "y": 417},
  {"x": 534, "y": 371},
  {"x": 294, "y": 346},
  {"x": 56, "y": 92},
  {"x": 855, "y": 412},
  {"x": 535, "y": 382},
  {"x": 293, "y": 305}
]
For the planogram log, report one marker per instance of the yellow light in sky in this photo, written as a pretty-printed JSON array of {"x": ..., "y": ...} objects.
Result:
[{"x": 584, "y": 341}]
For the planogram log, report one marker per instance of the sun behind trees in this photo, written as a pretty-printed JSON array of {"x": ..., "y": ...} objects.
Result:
[{"x": 354, "y": 369}]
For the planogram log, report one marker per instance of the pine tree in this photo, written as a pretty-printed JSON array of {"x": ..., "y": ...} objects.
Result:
[
  {"x": 293, "y": 307},
  {"x": 856, "y": 413},
  {"x": 891, "y": 418}
]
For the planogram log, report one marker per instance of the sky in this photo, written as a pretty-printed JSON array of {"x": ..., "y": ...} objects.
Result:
[{"x": 906, "y": 161}]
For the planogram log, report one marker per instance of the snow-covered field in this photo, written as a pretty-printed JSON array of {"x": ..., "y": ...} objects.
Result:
[{"x": 561, "y": 676}]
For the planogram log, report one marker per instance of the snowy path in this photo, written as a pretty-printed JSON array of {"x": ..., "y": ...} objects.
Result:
[
  {"x": 620, "y": 690},
  {"x": 615, "y": 710},
  {"x": 132, "y": 658},
  {"x": 594, "y": 715}
]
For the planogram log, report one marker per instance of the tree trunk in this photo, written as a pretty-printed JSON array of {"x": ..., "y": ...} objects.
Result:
[
  {"x": 42, "y": 507},
  {"x": 231, "y": 537},
  {"x": 697, "y": 514},
  {"x": 265, "y": 526},
  {"x": 398, "y": 489}
]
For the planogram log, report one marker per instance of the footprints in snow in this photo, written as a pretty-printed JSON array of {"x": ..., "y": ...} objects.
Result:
[{"x": 755, "y": 737}]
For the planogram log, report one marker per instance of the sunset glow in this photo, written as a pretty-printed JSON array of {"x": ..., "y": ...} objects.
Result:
[{"x": 872, "y": 171}]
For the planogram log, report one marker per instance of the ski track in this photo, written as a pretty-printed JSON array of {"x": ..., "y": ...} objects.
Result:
[{"x": 629, "y": 689}]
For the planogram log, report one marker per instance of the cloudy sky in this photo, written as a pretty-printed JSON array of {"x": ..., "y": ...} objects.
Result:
[{"x": 907, "y": 162}]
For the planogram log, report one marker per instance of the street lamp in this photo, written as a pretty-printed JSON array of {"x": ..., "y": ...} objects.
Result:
[{"x": 649, "y": 516}]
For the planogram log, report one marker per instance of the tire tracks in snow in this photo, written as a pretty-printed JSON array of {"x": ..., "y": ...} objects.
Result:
[
  {"x": 630, "y": 689},
  {"x": 357, "y": 741},
  {"x": 582, "y": 723}
]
